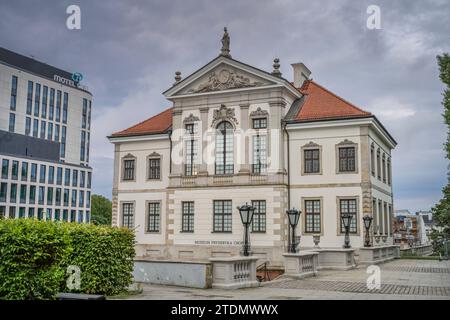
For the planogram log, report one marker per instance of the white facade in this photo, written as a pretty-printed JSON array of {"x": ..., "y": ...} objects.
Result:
[
  {"x": 226, "y": 90},
  {"x": 33, "y": 104}
]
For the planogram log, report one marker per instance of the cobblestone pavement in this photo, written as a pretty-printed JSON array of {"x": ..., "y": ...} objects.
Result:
[{"x": 400, "y": 279}]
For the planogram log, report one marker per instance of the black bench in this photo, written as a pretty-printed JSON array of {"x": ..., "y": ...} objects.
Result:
[{"x": 79, "y": 296}]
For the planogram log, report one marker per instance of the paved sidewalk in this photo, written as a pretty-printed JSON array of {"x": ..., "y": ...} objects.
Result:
[{"x": 400, "y": 279}]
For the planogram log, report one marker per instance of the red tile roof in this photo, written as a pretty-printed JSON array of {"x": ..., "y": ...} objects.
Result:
[
  {"x": 154, "y": 125},
  {"x": 321, "y": 103}
]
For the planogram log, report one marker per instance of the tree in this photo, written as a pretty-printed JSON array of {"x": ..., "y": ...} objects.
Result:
[
  {"x": 441, "y": 212},
  {"x": 101, "y": 210}
]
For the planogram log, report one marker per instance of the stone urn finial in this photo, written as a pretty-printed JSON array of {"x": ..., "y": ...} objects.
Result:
[
  {"x": 177, "y": 77},
  {"x": 276, "y": 67}
]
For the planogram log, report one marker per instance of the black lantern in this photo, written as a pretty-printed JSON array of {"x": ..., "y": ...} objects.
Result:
[
  {"x": 293, "y": 216},
  {"x": 246, "y": 213},
  {"x": 367, "y": 223},
  {"x": 346, "y": 220}
]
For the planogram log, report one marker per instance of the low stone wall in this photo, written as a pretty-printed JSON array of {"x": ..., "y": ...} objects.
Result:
[
  {"x": 378, "y": 254},
  {"x": 417, "y": 251},
  {"x": 176, "y": 273},
  {"x": 234, "y": 272},
  {"x": 301, "y": 265},
  {"x": 336, "y": 259}
]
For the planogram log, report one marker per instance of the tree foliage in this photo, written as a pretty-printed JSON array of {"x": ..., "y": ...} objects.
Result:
[{"x": 101, "y": 210}]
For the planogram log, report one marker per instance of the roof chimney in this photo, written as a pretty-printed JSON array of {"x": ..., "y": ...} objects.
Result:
[{"x": 301, "y": 73}]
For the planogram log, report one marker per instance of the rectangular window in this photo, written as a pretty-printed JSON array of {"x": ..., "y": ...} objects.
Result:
[
  {"x": 24, "y": 171},
  {"x": 73, "y": 203},
  {"x": 32, "y": 195},
  {"x": 51, "y": 108},
  {"x": 59, "y": 171},
  {"x": 259, "y": 216},
  {"x": 80, "y": 216},
  {"x": 27, "y": 126},
  {"x": 347, "y": 159},
  {"x": 389, "y": 173},
  {"x": 89, "y": 178},
  {"x": 35, "y": 128},
  {"x": 383, "y": 163},
  {"x": 43, "y": 129},
  {"x": 58, "y": 197},
  {"x": 33, "y": 174},
  {"x": 30, "y": 97},
  {"x": 65, "y": 106},
  {"x": 187, "y": 216},
  {"x": 30, "y": 212},
  {"x": 58, "y": 106},
  {"x": 15, "y": 170},
  {"x": 128, "y": 172},
  {"x": 89, "y": 115},
  {"x": 3, "y": 191},
  {"x": 83, "y": 145},
  {"x": 154, "y": 213},
  {"x": 13, "y": 194},
  {"x": 84, "y": 114},
  {"x": 372, "y": 160},
  {"x": 259, "y": 154},
  {"x": 73, "y": 215},
  {"x": 44, "y": 101},
  {"x": 42, "y": 173},
  {"x": 2, "y": 212},
  {"x": 12, "y": 122},
  {"x": 37, "y": 99},
  {"x": 12, "y": 212},
  {"x": 41, "y": 195},
  {"x": 312, "y": 216},
  {"x": 190, "y": 168},
  {"x": 88, "y": 216},
  {"x": 386, "y": 218},
  {"x": 82, "y": 178},
  {"x": 67, "y": 177},
  {"x": 57, "y": 214},
  {"x": 63, "y": 141},
  {"x": 21, "y": 212},
  {"x": 378, "y": 164},
  {"x": 260, "y": 123},
  {"x": 40, "y": 213},
  {"x": 66, "y": 197},
  {"x": 128, "y": 215},
  {"x": 74, "y": 178},
  {"x": 88, "y": 199},
  {"x": 50, "y": 131},
  {"x": 154, "y": 169},
  {"x": 81, "y": 199},
  {"x": 51, "y": 174},
  {"x": 57, "y": 132},
  {"x": 65, "y": 216},
  {"x": 13, "y": 101},
  {"x": 5, "y": 168},
  {"x": 23, "y": 193},
  {"x": 348, "y": 206},
  {"x": 49, "y": 196},
  {"x": 48, "y": 215},
  {"x": 312, "y": 160},
  {"x": 222, "y": 216}
]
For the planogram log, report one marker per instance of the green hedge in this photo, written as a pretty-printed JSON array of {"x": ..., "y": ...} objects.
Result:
[{"x": 34, "y": 256}]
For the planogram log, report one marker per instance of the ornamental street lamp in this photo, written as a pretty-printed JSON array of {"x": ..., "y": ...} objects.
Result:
[
  {"x": 246, "y": 213},
  {"x": 367, "y": 222},
  {"x": 346, "y": 219},
  {"x": 293, "y": 216}
]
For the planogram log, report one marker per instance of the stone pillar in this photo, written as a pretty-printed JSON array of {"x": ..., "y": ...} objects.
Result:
[
  {"x": 276, "y": 143},
  {"x": 177, "y": 168},
  {"x": 115, "y": 189},
  {"x": 203, "y": 170},
  {"x": 244, "y": 168}
]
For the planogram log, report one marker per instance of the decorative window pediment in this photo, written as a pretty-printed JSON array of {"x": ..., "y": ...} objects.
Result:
[
  {"x": 259, "y": 113},
  {"x": 224, "y": 114},
  {"x": 311, "y": 145},
  {"x": 346, "y": 142},
  {"x": 191, "y": 119}
]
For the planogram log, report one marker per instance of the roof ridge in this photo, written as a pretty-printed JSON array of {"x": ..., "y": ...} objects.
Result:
[
  {"x": 138, "y": 124},
  {"x": 338, "y": 97}
]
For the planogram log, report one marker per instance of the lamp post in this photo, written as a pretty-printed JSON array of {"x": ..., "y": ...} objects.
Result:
[
  {"x": 346, "y": 219},
  {"x": 293, "y": 216},
  {"x": 367, "y": 222},
  {"x": 246, "y": 213}
]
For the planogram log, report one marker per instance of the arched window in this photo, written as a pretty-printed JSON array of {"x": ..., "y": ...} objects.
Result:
[{"x": 224, "y": 148}]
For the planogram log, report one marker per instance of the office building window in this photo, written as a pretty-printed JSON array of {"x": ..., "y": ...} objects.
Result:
[
  {"x": 37, "y": 98},
  {"x": 30, "y": 212},
  {"x": 58, "y": 197},
  {"x": 65, "y": 106},
  {"x": 57, "y": 133},
  {"x": 35, "y": 127},
  {"x": 21, "y": 212},
  {"x": 67, "y": 177},
  {"x": 24, "y": 171},
  {"x": 50, "y": 131},
  {"x": 49, "y": 196},
  {"x": 32, "y": 195},
  {"x": 128, "y": 215},
  {"x": 12, "y": 212},
  {"x": 12, "y": 122},
  {"x": 51, "y": 108},
  {"x": 259, "y": 216},
  {"x": 57, "y": 214},
  {"x": 13, "y": 193},
  {"x": 154, "y": 169},
  {"x": 3, "y": 191},
  {"x": 5, "y": 168},
  {"x": 348, "y": 206},
  {"x": 88, "y": 199},
  {"x": 73, "y": 203},
  {"x": 63, "y": 141},
  {"x": 347, "y": 159},
  {"x": 15, "y": 170},
  {"x": 222, "y": 216},
  {"x": 259, "y": 154},
  {"x": 41, "y": 195},
  {"x": 30, "y": 97},
  {"x": 13, "y": 101},
  {"x": 312, "y": 216},
  {"x": 2, "y": 212},
  {"x": 23, "y": 193},
  {"x": 65, "y": 216},
  {"x": 59, "y": 171},
  {"x": 43, "y": 129},
  {"x": 83, "y": 145},
  {"x": 82, "y": 178},
  {"x": 88, "y": 216},
  {"x": 66, "y": 197},
  {"x": 153, "y": 219},
  {"x": 224, "y": 148},
  {"x": 33, "y": 173},
  {"x": 58, "y": 106},
  {"x": 48, "y": 215},
  {"x": 73, "y": 215},
  {"x": 84, "y": 114},
  {"x": 42, "y": 173},
  {"x": 89, "y": 178},
  {"x": 74, "y": 178},
  {"x": 81, "y": 199},
  {"x": 44, "y": 101},
  {"x": 187, "y": 216},
  {"x": 40, "y": 213},
  {"x": 27, "y": 126}
]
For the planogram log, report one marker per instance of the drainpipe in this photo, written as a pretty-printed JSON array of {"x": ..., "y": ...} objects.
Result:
[
  {"x": 170, "y": 155},
  {"x": 288, "y": 166}
]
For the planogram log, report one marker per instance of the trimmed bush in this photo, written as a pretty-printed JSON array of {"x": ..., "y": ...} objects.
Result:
[{"x": 34, "y": 256}]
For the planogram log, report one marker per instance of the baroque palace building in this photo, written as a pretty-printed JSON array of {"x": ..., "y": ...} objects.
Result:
[{"x": 236, "y": 134}]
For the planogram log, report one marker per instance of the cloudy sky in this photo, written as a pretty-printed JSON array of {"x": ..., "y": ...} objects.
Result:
[{"x": 128, "y": 52}]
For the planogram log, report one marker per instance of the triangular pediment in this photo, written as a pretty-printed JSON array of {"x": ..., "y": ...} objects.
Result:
[{"x": 223, "y": 74}]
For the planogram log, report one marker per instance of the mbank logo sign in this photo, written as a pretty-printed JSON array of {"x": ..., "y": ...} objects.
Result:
[{"x": 77, "y": 77}]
